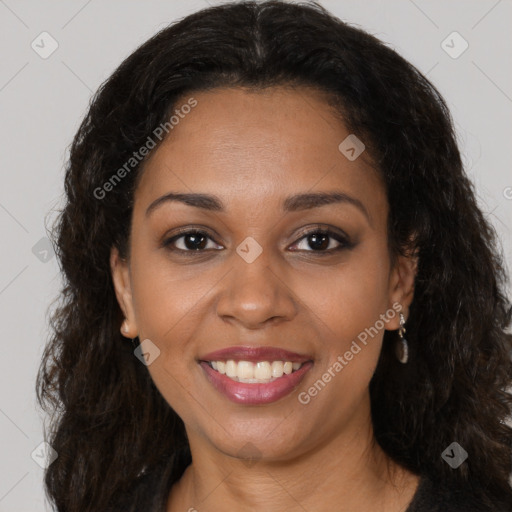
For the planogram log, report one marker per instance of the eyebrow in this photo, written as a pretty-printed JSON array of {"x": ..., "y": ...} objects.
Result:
[{"x": 298, "y": 202}]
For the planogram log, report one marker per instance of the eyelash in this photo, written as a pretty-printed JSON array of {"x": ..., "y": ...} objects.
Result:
[{"x": 344, "y": 241}]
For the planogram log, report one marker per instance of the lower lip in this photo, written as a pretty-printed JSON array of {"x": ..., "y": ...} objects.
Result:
[{"x": 255, "y": 394}]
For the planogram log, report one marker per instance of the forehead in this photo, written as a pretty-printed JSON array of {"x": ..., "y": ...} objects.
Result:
[{"x": 246, "y": 145}]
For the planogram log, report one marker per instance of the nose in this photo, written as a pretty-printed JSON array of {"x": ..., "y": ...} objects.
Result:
[{"x": 254, "y": 295}]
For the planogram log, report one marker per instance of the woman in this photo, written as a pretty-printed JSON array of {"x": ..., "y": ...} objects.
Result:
[{"x": 270, "y": 204}]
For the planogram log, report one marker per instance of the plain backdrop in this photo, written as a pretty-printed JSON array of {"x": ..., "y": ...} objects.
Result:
[{"x": 42, "y": 101}]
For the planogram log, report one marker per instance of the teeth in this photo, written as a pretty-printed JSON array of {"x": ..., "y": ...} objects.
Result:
[
  {"x": 277, "y": 369},
  {"x": 245, "y": 370},
  {"x": 231, "y": 369},
  {"x": 262, "y": 371},
  {"x": 249, "y": 372}
]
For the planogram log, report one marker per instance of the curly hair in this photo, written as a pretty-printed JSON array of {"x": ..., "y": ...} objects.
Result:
[{"x": 110, "y": 425}]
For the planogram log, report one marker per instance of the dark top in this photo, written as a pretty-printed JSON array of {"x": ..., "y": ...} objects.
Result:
[
  {"x": 437, "y": 496},
  {"x": 150, "y": 495}
]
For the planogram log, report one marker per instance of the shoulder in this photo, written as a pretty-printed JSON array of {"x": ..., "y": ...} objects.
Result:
[{"x": 435, "y": 495}]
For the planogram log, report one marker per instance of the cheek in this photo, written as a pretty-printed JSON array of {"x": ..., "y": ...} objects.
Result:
[
  {"x": 347, "y": 304},
  {"x": 351, "y": 296},
  {"x": 167, "y": 307},
  {"x": 161, "y": 296},
  {"x": 168, "y": 310}
]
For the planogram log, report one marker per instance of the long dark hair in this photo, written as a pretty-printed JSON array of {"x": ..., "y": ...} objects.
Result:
[{"x": 110, "y": 425}]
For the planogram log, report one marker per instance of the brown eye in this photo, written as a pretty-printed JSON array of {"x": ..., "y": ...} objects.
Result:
[
  {"x": 323, "y": 241},
  {"x": 189, "y": 241}
]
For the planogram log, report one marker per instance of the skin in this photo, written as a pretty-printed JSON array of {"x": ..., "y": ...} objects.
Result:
[{"x": 252, "y": 150}]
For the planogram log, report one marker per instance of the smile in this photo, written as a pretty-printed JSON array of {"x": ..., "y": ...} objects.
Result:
[
  {"x": 254, "y": 391},
  {"x": 260, "y": 372},
  {"x": 254, "y": 375}
]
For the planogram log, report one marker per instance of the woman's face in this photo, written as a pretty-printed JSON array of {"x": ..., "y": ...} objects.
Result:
[{"x": 263, "y": 275}]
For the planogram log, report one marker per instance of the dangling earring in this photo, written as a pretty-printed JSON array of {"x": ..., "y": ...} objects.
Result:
[{"x": 402, "y": 347}]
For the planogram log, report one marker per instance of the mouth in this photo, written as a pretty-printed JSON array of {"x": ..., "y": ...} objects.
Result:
[{"x": 255, "y": 375}]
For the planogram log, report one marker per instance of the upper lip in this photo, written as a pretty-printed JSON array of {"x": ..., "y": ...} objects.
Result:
[{"x": 255, "y": 354}]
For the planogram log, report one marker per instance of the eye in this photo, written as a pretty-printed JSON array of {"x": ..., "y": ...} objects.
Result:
[
  {"x": 189, "y": 241},
  {"x": 321, "y": 240},
  {"x": 194, "y": 241}
]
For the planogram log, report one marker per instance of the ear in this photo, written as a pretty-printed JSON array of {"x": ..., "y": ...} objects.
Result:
[
  {"x": 122, "y": 285},
  {"x": 401, "y": 287}
]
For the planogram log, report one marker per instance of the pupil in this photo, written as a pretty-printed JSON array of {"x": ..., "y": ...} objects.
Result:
[
  {"x": 319, "y": 241},
  {"x": 195, "y": 239}
]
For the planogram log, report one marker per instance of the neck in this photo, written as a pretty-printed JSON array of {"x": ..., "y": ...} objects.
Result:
[{"x": 349, "y": 470}]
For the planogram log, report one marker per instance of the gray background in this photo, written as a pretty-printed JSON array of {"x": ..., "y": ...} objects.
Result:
[{"x": 42, "y": 102}]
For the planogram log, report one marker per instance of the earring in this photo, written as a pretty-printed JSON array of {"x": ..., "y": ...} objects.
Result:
[
  {"x": 125, "y": 329},
  {"x": 402, "y": 347},
  {"x": 124, "y": 326}
]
